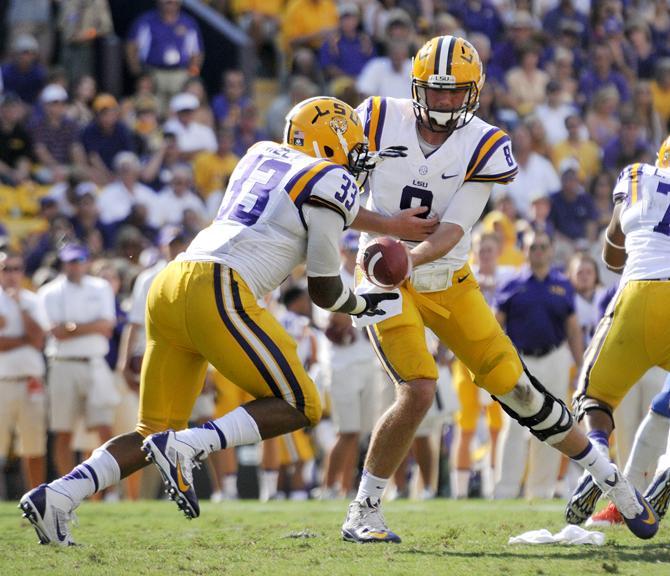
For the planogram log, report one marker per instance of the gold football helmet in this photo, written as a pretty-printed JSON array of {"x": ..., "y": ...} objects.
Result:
[
  {"x": 325, "y": 127},
  {"x": 663, "y": 160},
  {"x": 446, "y": 63}
]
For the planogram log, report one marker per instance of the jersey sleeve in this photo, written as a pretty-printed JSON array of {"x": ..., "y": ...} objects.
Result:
[
  {"x": 628, "y": 183},
  {"x": 328, "y": 185},
  {"x": 373, "y": 115},
  {"x": 492, "y": 159}
]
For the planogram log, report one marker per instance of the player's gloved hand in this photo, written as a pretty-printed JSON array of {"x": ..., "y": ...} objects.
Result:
[
  {"x": 375, "y": 158},
  {"x": 372, "y": 301}
]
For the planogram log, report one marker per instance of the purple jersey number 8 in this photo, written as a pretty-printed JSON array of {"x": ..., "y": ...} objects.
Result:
[{"x": 271, "y": 171}]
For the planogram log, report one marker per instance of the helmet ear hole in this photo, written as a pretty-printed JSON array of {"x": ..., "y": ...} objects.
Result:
[{"x": 329, "y": 151}]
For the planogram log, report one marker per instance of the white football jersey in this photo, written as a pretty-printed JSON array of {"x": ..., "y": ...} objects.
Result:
[
  {"x": 478, "y": 152},
  {"x": 259, "y": 230},
  {"x": 645, "y": 220}
]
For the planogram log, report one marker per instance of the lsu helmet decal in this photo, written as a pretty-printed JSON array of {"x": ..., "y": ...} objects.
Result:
[{"x": 325, "y": 127}]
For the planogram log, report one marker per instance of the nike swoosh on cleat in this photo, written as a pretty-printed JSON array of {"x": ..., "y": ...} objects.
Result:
[
  {"x": 447, "y": 176},
  {"x": 613, "y": 482},
  {"x": 650, "y": 520},
  {"x": 60, "y": 534},
  {"x": 463, "y": 278},
  {"x": 377, "y": 535},
  {"x": 183, "y": 486}
]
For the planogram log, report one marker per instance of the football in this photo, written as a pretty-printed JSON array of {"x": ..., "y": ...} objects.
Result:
[{"x": 386, "y": 262}]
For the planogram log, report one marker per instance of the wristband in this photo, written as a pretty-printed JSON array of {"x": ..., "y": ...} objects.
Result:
[{"x": 361, "y": 305}]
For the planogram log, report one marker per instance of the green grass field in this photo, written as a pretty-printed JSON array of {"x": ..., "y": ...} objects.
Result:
[{"x": 294, "y": 539}]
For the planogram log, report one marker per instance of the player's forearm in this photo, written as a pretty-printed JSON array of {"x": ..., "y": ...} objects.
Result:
[
  {"x": 408, "y": 224},
  {"x": 8, "y": 343},
  {"x": 369, "y": 221},
  {"x": 34, "y": 333},
  {"x": 126, "y": 345},
  {"x": 575, "y": 340},
  {"x": 437, "y": 244},
  {"x": 329, "y": 293}
]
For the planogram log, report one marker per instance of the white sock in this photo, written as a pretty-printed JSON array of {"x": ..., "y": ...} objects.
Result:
[
  {"x": 488, "y": 482},
  {"x": 230, "y": 485},
  {"x": 595, "y": 462},
  {"x": 653, "y": 430},
  {"x": 371, "y": 487},
  {"x": 268, "y": 484},
  {"x": 460, "y": 479},
  {"x": 96, "y": 473},
  {"x": 234, "y": 429}
]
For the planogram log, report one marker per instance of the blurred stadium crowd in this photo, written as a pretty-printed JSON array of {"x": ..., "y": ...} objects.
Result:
[{"x": 98, "y": 191}]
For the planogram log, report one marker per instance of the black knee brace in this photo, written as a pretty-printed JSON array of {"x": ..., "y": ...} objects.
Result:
[{"x": 582, "y": 405}]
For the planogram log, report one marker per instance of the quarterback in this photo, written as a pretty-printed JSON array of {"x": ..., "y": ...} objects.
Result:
[
  {"x": 453, "y": 159},
  {"x": 634, "y": 333},
  {"x": 285, "y": 204}
]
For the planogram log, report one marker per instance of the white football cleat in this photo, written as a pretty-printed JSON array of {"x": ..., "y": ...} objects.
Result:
[
  {"x": 365, "y": 523},
  {"x": 50, "y": 513},
  {"x": 175, "y": 461}
]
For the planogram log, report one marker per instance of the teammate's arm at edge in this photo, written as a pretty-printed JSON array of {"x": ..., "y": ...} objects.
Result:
[{"x": 614, "y": 251}]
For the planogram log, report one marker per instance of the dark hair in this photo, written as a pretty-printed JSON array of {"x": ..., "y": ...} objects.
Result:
[{"x": 291, "y": 295}]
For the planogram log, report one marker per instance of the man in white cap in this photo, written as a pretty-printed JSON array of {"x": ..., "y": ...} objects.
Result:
[
  {"x": 80, "y": 317},
  {"x": 192, "y": 137}
]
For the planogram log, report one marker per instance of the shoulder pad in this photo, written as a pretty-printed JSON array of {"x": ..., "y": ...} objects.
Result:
[
  {"x": 326, "y": 184},
  {"x": 492, "y": 159}
]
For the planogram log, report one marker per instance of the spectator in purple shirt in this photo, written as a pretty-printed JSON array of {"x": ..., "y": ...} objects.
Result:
[
  {"x": 566, "y": 12},
  {"x": 537, "y": 309},
  {"x": 228, "y": 104},
  {"x": 349, "y": 50},
  {"x": 628, "y": 147},
  {"x": 573, "y": 213},
  {"x": 248, "y": 131},
  {"x": 521, "y": 30},
  {"x": 23, "y": 74},
  {"x": 167, "y": 43},
  {"x": 639, "y": 36},
  {"x": 479, "y": 16},
  {"x": 102, "y": 140},
  {"x": 54, "y": 134},
  {"x": 600, "y": 75}
]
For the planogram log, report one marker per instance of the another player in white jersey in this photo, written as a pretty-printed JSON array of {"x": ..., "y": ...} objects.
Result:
[
  {"x": 634, "y": 334},
  {"x": 286, "y": 204},
  {"x": 453, "y": 159}
]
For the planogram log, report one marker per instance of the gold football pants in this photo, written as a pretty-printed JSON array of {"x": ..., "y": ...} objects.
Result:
[
  {"x": 200, "y": 312},
  {"x": 462, "y": 320}
]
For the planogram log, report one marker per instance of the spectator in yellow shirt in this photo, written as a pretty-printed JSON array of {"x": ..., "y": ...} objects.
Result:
[
  {"x": 308, "y": 23},
  {"x": 211, "y": 170},
  {"x": 577, "y": 146}
]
